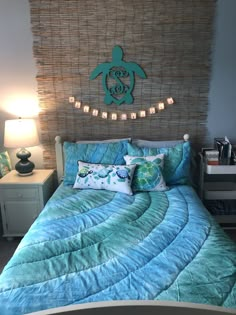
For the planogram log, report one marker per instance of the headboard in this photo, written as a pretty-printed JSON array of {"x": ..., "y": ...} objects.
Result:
[{"x": 60, "y": 156}]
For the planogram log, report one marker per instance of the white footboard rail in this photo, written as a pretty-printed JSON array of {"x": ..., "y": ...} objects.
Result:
[{"x": 138, "y": 307}]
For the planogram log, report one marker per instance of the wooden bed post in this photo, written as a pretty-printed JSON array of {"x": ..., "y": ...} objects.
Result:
[
  {"x": 59, "y": 158},
  {"x": 186, "y": 137}
]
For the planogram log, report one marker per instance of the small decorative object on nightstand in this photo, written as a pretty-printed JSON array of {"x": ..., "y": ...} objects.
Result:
[
  {"x": 22, "y": 199},
  {"x": 218, "y": 185}
]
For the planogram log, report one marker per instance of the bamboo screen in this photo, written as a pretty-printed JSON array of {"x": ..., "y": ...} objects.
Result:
[{"x": 171, "y": 40}]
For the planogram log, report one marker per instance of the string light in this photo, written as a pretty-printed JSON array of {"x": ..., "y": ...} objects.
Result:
[
  {"x": 104, "y": 115},
  {"x": 152, "y": 110},
  {"x": 113, "y": 116},
  {"x": 95, "y": 112},
  {"x": 86, "y": 108},
  {"x": 160, "y": 106},
  {"x": 170, "y": 100},
  {"x": 122, "y": 116},
  {"x": 71, "y": 99},
  {"x": 77, "y": 104},
  {"x": 142, "y": 113}
]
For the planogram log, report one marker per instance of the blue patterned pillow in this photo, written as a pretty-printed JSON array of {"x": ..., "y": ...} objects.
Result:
[
  {"x": 105, "y": 153},
  {"x": 105, "y": 176},
  {"x": 148, "y": 173},
  {"x": 176, "y": 162}
]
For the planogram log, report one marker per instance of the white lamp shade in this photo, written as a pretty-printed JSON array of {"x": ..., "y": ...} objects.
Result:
[{"x": 20, "y": 133}]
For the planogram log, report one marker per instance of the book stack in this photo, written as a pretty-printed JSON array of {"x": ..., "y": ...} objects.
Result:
[
  {"x": 224, "y": 148},
  {"x": 212, "y": 157}
]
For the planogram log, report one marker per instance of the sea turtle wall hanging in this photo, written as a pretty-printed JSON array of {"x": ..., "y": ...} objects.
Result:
[{"x": 118, "y": 78}]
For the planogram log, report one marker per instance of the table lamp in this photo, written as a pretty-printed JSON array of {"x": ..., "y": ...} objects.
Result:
[{"x": 21, "y": 133}]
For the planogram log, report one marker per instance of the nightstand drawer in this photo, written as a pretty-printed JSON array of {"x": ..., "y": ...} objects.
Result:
[{"x": 20, "y": 194}]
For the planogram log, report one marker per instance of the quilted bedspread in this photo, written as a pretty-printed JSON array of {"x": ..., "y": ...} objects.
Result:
[{"x": 95, "y": 245}]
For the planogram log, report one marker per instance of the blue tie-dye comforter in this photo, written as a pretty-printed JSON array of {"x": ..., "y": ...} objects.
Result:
[{"x": 99, "y": 245}]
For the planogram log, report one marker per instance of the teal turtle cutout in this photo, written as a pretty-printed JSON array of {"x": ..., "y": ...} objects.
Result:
[{"x": 118, "y": 78}]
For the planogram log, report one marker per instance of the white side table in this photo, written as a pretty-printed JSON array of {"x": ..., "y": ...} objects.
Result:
[
  {"x": 22, "y": 198},
  {"x": 218, "y": 182}
]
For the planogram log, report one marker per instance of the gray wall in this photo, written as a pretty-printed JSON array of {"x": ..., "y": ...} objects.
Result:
[
  {"x": 18, "y": 88},
  {"x": 18, "y": 71},
  {"x": 222, "y": 101}
]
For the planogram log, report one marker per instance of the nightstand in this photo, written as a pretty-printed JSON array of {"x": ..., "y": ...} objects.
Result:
[
  {"x": 218, "y": 183},
  {"x": 22, "y": 198}
]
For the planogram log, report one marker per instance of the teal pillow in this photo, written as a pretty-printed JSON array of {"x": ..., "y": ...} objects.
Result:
[
  {"x": 176, "y": 161},
  {"x": 148, "y": 173},
  {"x": 104, "y": 153},
  {"x": 5, "y": 163}
]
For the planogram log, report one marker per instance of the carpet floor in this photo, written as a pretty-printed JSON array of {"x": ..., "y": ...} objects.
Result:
[{"x": 7, "y": 249}]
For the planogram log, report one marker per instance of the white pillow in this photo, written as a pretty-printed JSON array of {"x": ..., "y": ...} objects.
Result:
[
  {"x": 105, "y": 176},
  {"x": 103, "y": 141},
  {"x": 156, "y": 144},
  {"x": 148, "y": 173}
]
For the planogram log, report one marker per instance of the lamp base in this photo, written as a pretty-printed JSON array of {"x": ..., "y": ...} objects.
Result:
[
  {"x": 24, "y": 167},
  {"x": 25, "y": 174}
]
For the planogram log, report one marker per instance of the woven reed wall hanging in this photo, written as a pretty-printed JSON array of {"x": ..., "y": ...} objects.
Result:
[{"x": 171, "y": 40}]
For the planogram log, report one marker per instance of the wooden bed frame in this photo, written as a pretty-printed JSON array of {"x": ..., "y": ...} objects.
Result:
[{"x": 138, "y": 308}]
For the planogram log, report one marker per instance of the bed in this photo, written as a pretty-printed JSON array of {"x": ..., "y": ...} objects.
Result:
[{"x": 125, "y": 224}]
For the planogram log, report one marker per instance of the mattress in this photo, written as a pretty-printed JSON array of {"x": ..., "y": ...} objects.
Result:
[{"x": 97, "y": 245}]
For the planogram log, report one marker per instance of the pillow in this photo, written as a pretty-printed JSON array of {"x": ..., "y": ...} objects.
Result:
[
  {"x": 105, "y": 153},
  {"x": 5, "y": 163},
  {"x": 103, "y": 141},
  {"x": 105, "y": 176},
  {"x": 176, "y": 161},
  {"x": 156, "y": 144},
  {"x": 148, "y": 173}
]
